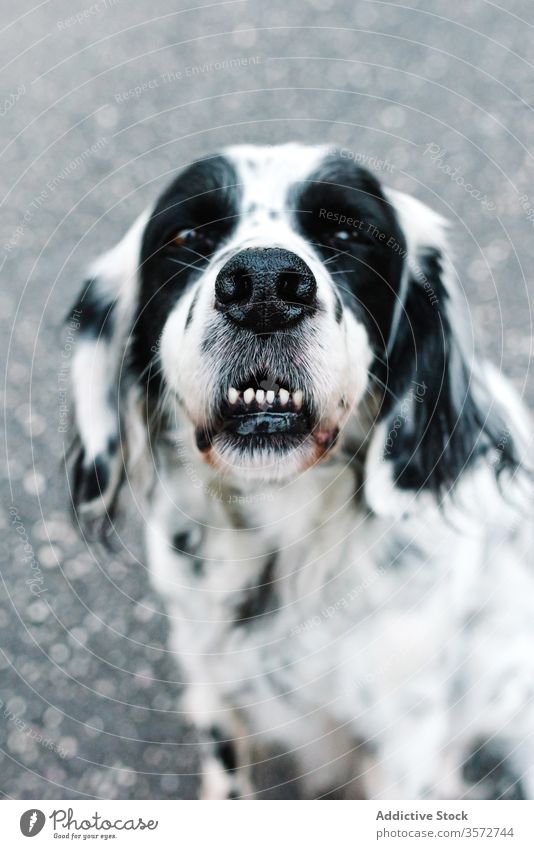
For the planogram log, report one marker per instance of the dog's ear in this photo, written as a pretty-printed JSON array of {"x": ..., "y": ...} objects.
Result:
[
  {"x": 102, "y": 394},
  {"x": 439, "y": 413}
]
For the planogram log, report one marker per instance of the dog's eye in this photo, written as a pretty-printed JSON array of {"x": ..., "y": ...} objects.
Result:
[
  {"x": 346, "y": 236},
  {"x": 191, "y": 238}
]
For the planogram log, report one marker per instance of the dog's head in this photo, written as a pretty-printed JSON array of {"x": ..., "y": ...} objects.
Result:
[{"x": 276, "y": 305}]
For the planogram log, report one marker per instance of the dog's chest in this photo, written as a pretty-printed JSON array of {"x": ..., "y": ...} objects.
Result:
[{"x": 298, "y": 586}]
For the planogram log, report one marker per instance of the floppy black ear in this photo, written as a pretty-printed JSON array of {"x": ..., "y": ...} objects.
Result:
[
  {"x": 103, "y": 396},
  {"x": 439, "y": 414}
]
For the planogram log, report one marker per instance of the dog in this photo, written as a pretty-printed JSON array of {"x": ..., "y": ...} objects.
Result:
[{"x": 276, "y": 361}]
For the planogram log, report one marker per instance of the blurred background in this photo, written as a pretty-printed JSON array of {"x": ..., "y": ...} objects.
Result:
[{"x": 101, "y": 103}]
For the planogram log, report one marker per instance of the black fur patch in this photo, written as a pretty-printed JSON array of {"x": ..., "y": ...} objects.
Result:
[
  {"x": 96, "y": 478},
  {"x": 492, "y": 773},
  {"x": 447, "y": 427},
  {"x": 339, "y": 310},
  {"x": 261, "y": 599},
  {"x": 224, "y": 750},
  {"x": 94, "y": 314},
  {"x": 182, "y": 543},
  {"x": 91, "y": 478},
  {"x": 191, "y": 311},
  {"x": 203, "y": 201},
  {"x": 341, "y": 197}
]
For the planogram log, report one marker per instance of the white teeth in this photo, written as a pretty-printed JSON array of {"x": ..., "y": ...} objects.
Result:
[
  {"x": 269, "y": 397},
  {"x": 298, "y": 398}
]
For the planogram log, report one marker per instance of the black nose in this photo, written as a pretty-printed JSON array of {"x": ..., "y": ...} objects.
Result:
[{"x": 265, "y": 289}]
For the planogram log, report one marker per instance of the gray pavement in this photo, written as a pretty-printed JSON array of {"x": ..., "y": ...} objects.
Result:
[{"x": 100, "y": 103}]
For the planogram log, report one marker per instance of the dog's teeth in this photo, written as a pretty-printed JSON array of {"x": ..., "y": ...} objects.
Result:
[
  {"x": 260, "y": 396},
  {"x": 284, "y": 396},
  {"x": 248, "y": 396},
  {"x": 233, "y": 395},
  {"x": 269, "y": 397},
  {"x": 298, "y": 398}
]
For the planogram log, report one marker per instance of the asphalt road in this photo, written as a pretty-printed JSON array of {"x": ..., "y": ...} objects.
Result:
[{"x": 101, "y": 101}]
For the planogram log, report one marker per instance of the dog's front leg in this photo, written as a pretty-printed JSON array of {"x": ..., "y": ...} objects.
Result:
[
  {"x": 408, "y": 756},
  {"x": 224, "y": 745}
]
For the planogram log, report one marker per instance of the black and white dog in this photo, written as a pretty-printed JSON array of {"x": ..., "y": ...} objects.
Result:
[{"x": 336, "y": 497}]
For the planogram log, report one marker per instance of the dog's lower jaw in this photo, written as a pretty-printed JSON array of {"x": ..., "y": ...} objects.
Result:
[{"x": 261, "y": 467}]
